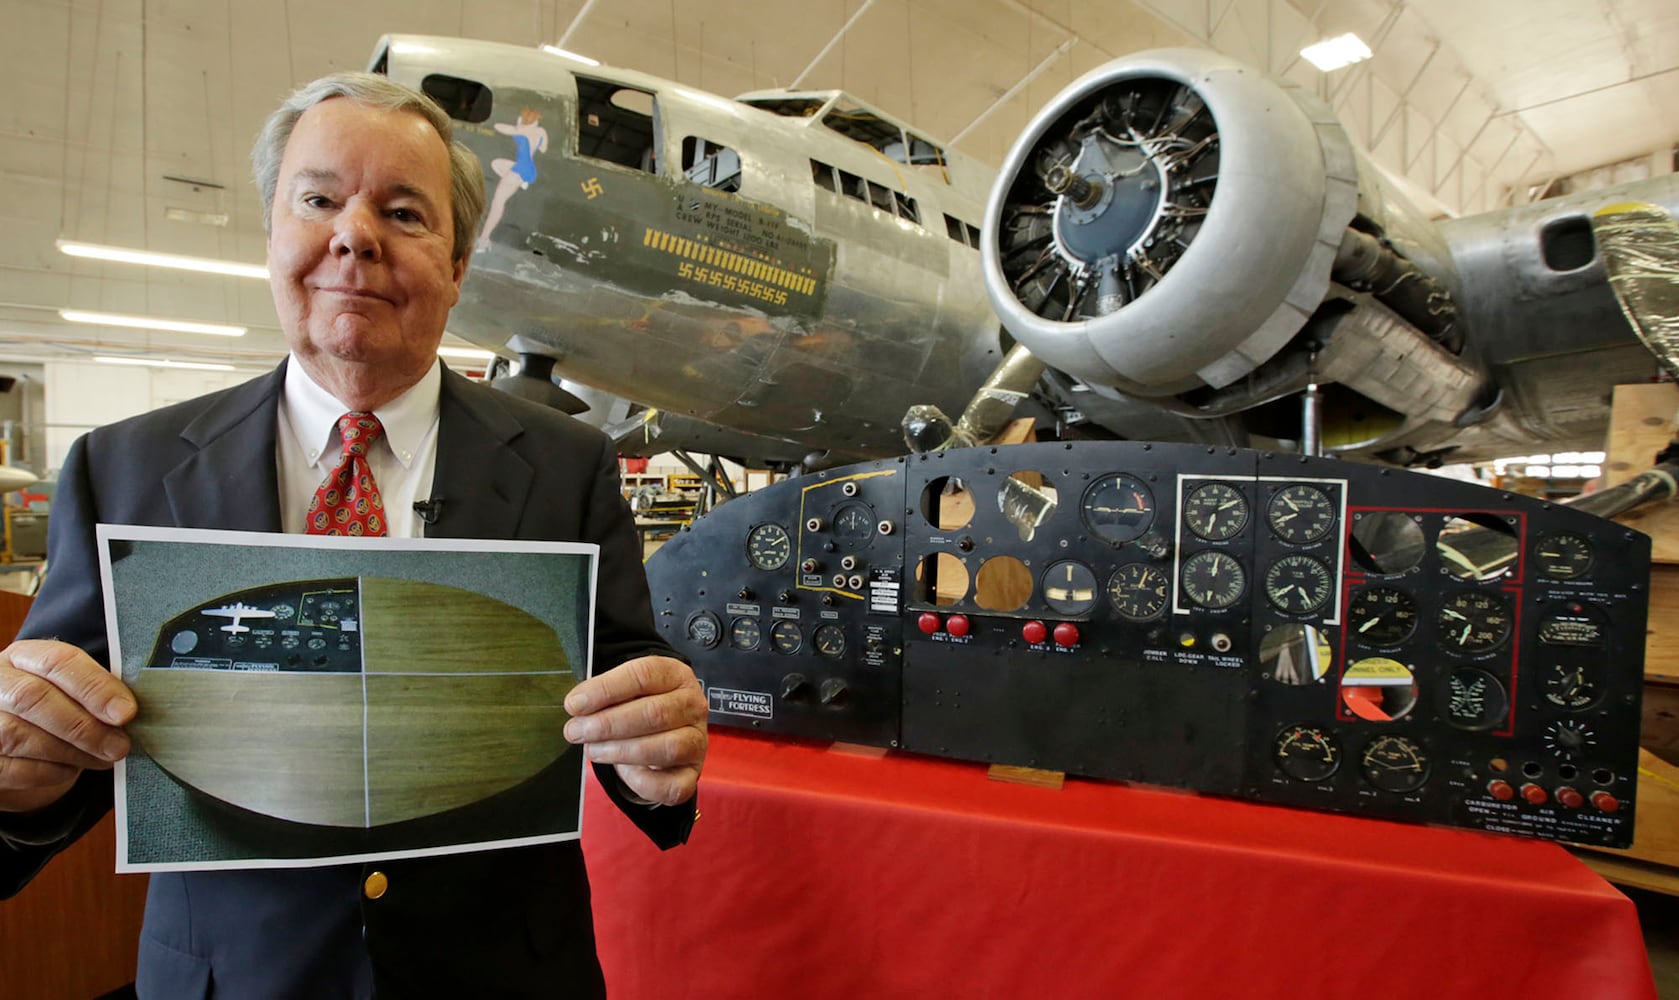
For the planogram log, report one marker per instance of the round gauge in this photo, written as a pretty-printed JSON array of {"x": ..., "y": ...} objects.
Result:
[
  {"x": 744, "y": 634},
  {"x": 853, "y": 525},
  {"x": 282, "y": 611},
  {"x": 704, "y": 629},
  {"x": 1214, "y": 579},
  {"x": 829, "y": 640},
  {"x": 1473, "y": 699},
  {"x": 1306, "y": 753},
  {"x": 1569, "y": 739},
  {"x": 1138, "y": 591},
  {"x": 1574, "y": 685},
  {"x": 1300, "y": 514},
  {"x": 1395, "y": 764},
  {"x": 1381, "y": 616},
  {"x": 1069, "y": 588},
  {"x": 768, "y": 547},
  {"x": 1215, "y": 511},
  {"x": 1297, "y": 584},
  {"x": 1562, "y": 555},
  {"x": 1474, "y": 621},
  {"x": 785, "y": 637},
  {"x": 1117, "y": 508}
]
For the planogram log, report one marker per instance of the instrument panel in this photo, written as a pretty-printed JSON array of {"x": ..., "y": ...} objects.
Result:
[{"x": 1300, "y": 631}]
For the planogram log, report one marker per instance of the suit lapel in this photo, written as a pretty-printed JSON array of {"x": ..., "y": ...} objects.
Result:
[
  {"x": 482, "y": 482},
  {"x": 235, "y": 459}
]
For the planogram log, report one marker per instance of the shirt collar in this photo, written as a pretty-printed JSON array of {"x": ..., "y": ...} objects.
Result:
[{"x": 313, "y": 415}]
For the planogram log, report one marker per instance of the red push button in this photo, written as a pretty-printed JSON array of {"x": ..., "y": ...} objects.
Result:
[
  {"x": 1500, "y": 790},
  {"x": 1608, "y": 803},
  {"x": 1033, "y": 632},
  {"x": 1066, "y": 634},
  {"x": 928, "y": 622},
  {"x": 1570, "y": 797},
  {"x": 957, "y": 625},
  {"x": 1534, "y": 794}
]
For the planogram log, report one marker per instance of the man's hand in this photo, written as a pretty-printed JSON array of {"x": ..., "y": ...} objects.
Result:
[
  {"x": 60, "y": 714},
  {"x": 645, "y": 717}
]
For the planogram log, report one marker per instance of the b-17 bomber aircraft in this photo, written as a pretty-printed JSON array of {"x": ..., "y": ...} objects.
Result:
[{"x": 1176, "y": 248}]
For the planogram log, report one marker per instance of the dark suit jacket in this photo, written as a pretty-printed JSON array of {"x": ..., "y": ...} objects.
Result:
[{"x": 493, "y": 923}]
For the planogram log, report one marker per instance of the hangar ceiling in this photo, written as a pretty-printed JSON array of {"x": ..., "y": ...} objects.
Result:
[{"x": 128, "y": 122}]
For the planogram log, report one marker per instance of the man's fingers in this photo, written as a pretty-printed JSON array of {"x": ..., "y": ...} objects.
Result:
[
  {"x": 23, "y": 741},
  {"x": 71, "y": 672},
  {"x": 647, "y": 714},
  {"x": 629, "y": 680},
  {"x": 675, "y": 748}
]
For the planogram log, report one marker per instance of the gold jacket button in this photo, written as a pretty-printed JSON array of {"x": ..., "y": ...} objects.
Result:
[{"x": 375, "y": 885}]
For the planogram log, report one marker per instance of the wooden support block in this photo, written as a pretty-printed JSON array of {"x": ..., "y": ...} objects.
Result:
[
  {"x": 1027, "y": 776},
  {"x": 1642, "y": 421},
  {"x": 856, "y": 749}
]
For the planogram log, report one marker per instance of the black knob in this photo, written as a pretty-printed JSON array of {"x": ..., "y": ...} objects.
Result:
[
  {"x": 745, "y": 593},
  {"x": 794, "y": 687},
  {"x": 834, "y": 692}
]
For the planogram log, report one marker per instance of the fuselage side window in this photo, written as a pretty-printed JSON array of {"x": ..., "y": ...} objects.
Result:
[
  {"x": 823, "y": 175},
  {"x": 464, "y": 100},
  {"x": 615, "y": 124},
  {"x": 710, "y": 164}
]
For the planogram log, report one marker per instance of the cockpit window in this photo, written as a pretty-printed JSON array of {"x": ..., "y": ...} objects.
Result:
[
  {"x": 864, "y": 126},
  {"x": 464, "y": 100},
  {"x": 788, "y": 107}
]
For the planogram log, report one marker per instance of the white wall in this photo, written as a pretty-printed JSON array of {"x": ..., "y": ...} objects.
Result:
[{"x": 83, "y": 395}]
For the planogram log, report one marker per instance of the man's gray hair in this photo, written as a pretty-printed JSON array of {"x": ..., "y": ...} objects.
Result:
[{"x": 466, "y": 177}]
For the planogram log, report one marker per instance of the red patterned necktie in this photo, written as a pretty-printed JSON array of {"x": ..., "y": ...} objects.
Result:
[{"x": 347, "y": 501}]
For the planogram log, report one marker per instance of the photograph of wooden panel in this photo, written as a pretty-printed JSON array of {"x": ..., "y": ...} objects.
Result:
[
  {"x": 303, "y": 702},
  {"x": 455, "y": 697}
]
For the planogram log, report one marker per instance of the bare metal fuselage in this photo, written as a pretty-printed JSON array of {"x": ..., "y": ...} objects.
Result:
[{"x": 827, "y": 284}]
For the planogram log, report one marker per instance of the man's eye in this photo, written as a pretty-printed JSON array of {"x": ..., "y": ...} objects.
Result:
[
  {"x": 317, "y": 201},
  {"x": 405, "y": 215}
]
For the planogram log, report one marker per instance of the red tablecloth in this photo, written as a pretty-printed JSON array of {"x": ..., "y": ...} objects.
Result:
[{"x": 818, "y": 873}]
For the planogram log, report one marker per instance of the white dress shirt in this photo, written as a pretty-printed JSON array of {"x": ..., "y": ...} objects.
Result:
[{"x": 402, "y": 460}]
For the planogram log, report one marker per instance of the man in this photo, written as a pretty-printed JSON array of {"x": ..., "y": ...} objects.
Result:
[{"x": 371, "y": 211}]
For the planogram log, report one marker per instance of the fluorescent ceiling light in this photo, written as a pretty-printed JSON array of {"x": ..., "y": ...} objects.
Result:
[
  {"x": 555, "y": 50},
  {"x": 148, "y": 323},
  {"x": 469, "y": 353},
  {"x": 163, "y": 363},
  {"x": 1333, "y": 53},
  {"x": 125, "y": 255}
]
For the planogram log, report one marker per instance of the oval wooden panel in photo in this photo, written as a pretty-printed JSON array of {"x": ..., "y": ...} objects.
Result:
[{"x": 410, "y": 699}]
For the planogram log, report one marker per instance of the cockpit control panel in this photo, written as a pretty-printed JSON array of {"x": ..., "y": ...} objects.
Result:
[{"x": 1300, "y": 631}]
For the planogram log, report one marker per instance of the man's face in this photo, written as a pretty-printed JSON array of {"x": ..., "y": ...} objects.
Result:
[{"x": 359, "y": 244}]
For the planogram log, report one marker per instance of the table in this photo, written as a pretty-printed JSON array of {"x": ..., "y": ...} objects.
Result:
[{"x": 818, "y": 873}]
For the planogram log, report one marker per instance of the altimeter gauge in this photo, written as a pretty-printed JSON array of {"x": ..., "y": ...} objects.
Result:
[{"x": 1138, "y": 591}]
